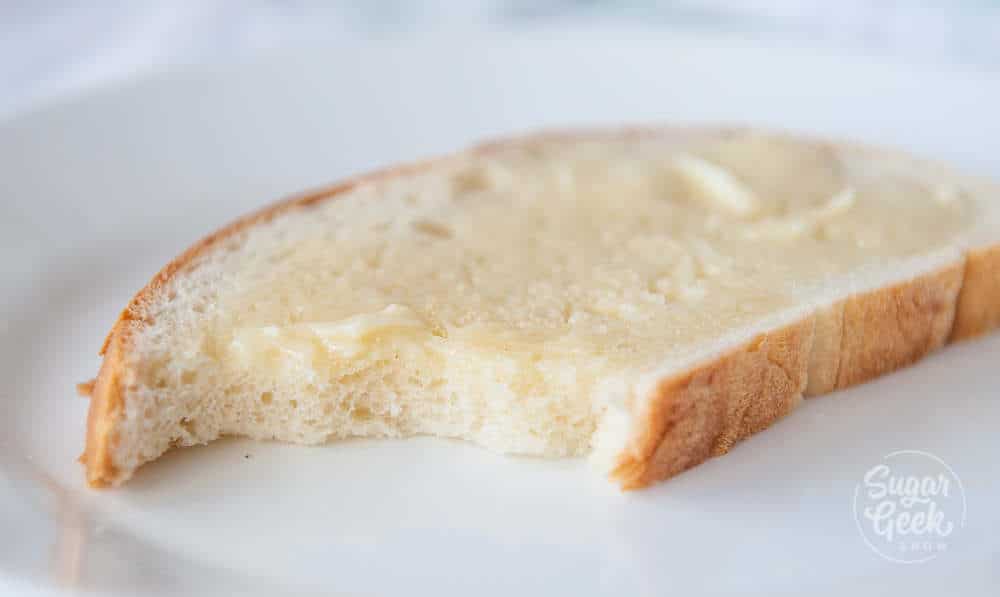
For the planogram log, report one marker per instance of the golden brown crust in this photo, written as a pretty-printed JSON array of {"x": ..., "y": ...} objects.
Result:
[
  {"x": 695, "y": 414},
  {"x": 979, "y": 301},
  {"x": 106, "y": 405},
  {"x": 86, "y": 388},
  {"x": 892, "y": 327},
  {"x": 824, "y": 357},
  {"x": 705, "y": 411}
]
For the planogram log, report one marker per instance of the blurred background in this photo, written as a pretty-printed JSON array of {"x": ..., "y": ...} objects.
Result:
[{"x": 50, "y": 48}]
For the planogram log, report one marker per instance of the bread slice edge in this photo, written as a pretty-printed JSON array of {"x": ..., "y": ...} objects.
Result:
[{"x": 706, "y": 409}]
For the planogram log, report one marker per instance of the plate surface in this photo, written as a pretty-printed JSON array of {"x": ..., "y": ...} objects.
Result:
[{"x": 98, "y": 192}]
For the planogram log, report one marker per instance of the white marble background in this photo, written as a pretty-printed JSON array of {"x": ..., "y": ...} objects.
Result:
[{"x": 49, "y": 48}]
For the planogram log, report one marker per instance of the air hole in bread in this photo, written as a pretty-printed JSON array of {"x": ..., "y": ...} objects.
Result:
[
  {"x": 361, "y": 413},
  {"x": 470, "y": 180},
  {"x": 188, "y": 425},
  {"x": 432, "y": 228}
]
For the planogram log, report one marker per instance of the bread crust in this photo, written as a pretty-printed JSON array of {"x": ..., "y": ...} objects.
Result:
[
  {"x": 705, "y": 411},
  {"x": 691, "y": 415},
  {"x": 979, "y": 300},
  {"x": 106, "y": 407}
]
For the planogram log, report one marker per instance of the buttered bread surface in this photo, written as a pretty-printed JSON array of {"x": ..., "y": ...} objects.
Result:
[{"x": 504, "y": 297}]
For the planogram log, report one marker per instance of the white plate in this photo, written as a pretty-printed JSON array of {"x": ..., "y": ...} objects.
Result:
[{"x": 98, "y": 192}]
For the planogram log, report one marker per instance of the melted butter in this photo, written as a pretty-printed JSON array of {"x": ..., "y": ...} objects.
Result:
[
  {"x": 345, "y": 338},
  {"x": 603, "y": 253},
  {"x": 717, "y": 185}
]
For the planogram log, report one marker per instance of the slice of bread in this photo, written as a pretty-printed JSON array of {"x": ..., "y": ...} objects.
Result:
[{"x": 648, "y": 298}]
